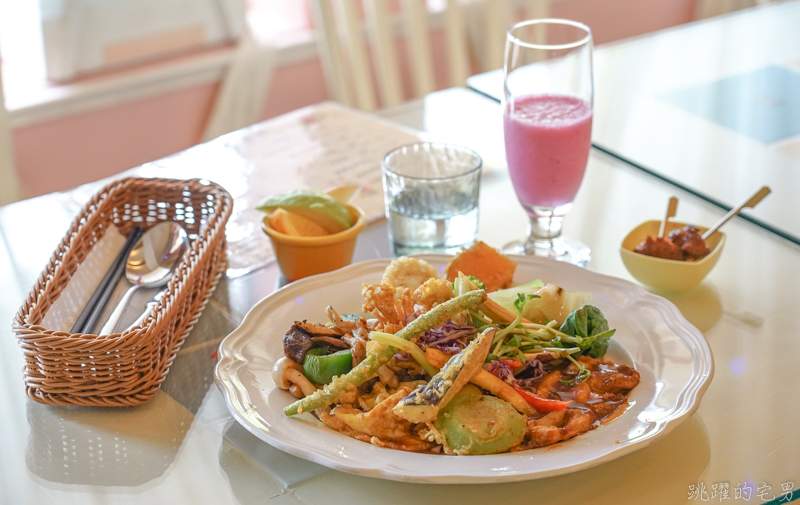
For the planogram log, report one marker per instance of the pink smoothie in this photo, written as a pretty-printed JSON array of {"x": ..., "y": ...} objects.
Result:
[{"x": 547, "y": 145}]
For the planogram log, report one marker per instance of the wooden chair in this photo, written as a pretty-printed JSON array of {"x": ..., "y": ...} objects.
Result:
[
  {"x": 10, "y": 187},
  {"x": 343, "y": 46},
  {"x": 709, "y": 8},
  {"x": 243, "y": 90}
]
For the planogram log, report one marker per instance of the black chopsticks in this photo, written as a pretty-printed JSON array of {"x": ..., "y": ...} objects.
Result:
[{"x": 97, "y": 303}]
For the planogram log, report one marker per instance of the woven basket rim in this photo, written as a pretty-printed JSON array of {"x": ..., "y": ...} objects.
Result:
[
  {"x": 79, "y": 226},
  {"x": 156, "y": 341}
]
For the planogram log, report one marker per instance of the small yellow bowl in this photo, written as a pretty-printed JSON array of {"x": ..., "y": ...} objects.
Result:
[
  {"x": 300, "y": 257},
  {"x": 672, "y": 275}
]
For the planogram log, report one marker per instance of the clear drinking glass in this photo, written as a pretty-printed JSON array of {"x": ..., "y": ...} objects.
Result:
[
  {"x": 547, "y": 123},
  {"x": 431, "y": 194}
]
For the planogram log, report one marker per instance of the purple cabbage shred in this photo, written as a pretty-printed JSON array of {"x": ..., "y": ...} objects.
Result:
[
  {"x": 450, "y": 338},
  {"x": 534, "y": 369}
]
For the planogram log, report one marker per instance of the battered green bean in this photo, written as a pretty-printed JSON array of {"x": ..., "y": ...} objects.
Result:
[{"x": 369, "y": 367}]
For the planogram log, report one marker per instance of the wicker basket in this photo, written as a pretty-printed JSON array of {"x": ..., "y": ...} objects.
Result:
[{"x": 124, "y": 369}]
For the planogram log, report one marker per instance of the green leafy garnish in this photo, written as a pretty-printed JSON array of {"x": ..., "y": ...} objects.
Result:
[
  {"x": 501, "y": 335},
  {"x": 477, "y": 282},
  {"x": 521, "y": 300},
  {"x": 589, "y": 325},
  {"x": 583, "y": 374}
]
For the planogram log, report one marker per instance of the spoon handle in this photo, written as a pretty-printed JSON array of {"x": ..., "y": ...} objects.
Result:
[
  {"x": 97, "y": 303},
  {"x": 115, "y": 317},
  {"x": 148, "y": 308},
  {"x": 672, "y": 208},
  {"x": 750, "y": 202}
]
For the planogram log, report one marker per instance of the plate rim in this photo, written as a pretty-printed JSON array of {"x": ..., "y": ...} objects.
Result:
[{"x": 685, "y": 405}]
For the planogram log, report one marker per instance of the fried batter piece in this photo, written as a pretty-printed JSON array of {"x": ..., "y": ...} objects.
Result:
[
  {"x": 380, "y": 301},
  {"x": 557, "y": 426},
  {"x": 485, "y": 263},
  {"x": 380, "y": 426},
  {"x": 407, "y": 272},
  {"x": 432, "y": 292}
]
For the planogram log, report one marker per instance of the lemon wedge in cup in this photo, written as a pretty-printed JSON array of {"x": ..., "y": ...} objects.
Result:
[
  {"x": 344, "y": 194},
  {"x": 292, "y": 223},
  {"x": 315, "y": 206}
]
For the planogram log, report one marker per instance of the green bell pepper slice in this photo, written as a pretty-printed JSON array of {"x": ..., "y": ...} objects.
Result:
[{"x": 321, "y": 368}]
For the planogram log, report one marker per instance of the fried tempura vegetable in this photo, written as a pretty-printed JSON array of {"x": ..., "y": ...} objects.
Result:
[
  {"x": 487, "y": 381},
  {"x": 474, "y": 423},
  {"x": 424, "y": 403},
  {"x": 407, "y": 272},
  {"x": 381, "y": 301},
  {"x": 382, "y": 354},
  {"x": 378, "y": 422},
  {"x": 432, "y": 292},
  {"x": 484, "y": 263}
]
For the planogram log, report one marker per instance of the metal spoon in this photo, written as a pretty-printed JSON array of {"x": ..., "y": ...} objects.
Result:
[
  {"x": 148, "y": 308},
  {"x": 151, "y": 263},
  {"x": 750, "y": 202}
]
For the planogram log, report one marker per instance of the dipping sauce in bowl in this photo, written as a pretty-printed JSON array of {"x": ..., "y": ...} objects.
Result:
[
  {"x": 682, "y": 244},
  {"x": 670, "y": 274}
]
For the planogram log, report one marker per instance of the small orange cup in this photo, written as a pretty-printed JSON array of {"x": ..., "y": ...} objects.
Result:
[{"x": 300, "y": 257}]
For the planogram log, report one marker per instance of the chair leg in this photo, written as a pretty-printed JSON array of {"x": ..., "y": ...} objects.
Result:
[{"x": 10, "y": 187}]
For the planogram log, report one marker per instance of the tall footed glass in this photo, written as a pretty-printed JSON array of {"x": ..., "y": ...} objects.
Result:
[{"x": 547, "y": 123}]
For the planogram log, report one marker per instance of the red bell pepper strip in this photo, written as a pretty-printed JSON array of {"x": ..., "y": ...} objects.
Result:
[
  {"x": 511, "y": 362},
  {"x": 539, "y": 403}
]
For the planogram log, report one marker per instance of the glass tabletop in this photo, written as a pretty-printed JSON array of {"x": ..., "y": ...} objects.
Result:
[{"x": 183, "y": 446}]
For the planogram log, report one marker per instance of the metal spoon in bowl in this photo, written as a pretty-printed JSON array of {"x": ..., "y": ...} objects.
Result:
[
  {"x": 750, "y": 202},
  {"x": 151, "y": 263}
]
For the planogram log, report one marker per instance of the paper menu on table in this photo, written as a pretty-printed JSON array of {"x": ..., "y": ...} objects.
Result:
[{"x": 315, "y": 147}]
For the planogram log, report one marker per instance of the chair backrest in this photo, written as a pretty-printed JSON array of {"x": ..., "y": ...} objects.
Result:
[
  {"x": 474, "y": 31},
  {"x": 243, "y": 90},
  {"x": 488, "y": 21},
  {"x": 709, "y": 8},
  {"x": 10, "y": 188},
  {"x": 342, "y": 42}
]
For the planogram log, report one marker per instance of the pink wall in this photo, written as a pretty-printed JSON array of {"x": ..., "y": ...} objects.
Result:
[
  {"x": 295, "y": 86},
  {"x": 618, "y": 19},
  {"x": 66, "y": 152},
  {"x": 74, "y": 150}
]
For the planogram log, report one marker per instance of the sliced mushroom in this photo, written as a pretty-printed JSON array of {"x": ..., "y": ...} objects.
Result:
[
  {"x": 335, "y": 342},
  {"x": 338, "y": 322},
  {"x": 296, "y": 377},
  {"x": 287, "y": 373},
  {"x": 279, "y": 372},
  {"x": 319, "y": 330},
  {"x": 387, "y": 376}
]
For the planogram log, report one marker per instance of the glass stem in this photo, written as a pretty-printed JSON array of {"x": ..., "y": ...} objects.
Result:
[{"x": 546, "y": 227}]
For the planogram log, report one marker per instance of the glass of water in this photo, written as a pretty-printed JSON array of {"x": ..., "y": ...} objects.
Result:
[{"x": 431, "y": 194}]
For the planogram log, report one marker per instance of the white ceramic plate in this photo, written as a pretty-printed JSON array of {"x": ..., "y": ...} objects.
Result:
[{"x": 672, "y": 356}]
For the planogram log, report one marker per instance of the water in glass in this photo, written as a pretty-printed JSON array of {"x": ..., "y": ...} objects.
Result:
[{"x": 434, "y": 222}]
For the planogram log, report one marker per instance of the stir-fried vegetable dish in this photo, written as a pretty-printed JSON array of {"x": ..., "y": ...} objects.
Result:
[{"x": 439, "y": 366}]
